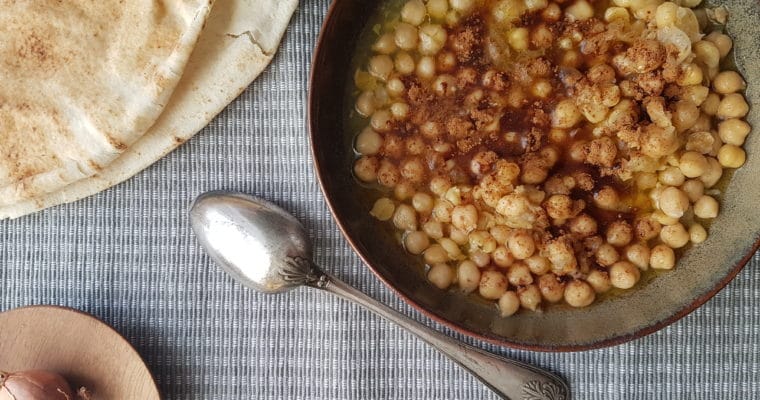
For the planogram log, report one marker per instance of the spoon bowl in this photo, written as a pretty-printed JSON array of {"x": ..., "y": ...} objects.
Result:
[{"x": 253, "y": 240}]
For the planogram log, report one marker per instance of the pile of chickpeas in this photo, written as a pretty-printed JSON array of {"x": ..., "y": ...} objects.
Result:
[{"x": 630, "y": 125}]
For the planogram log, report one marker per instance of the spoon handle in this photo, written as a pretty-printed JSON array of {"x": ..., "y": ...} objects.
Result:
[{"x": 510, "y": 379}]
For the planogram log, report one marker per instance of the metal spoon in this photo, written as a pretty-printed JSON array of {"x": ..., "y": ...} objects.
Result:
[{"x": 265, "y": 248}]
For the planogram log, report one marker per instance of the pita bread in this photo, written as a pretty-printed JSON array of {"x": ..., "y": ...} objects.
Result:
[
  {"x": 82, "y": 81},
  {"x": 237, "y": 44}
]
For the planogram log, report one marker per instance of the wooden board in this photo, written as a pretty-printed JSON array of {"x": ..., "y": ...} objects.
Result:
[{"x": 84, "y": 350}]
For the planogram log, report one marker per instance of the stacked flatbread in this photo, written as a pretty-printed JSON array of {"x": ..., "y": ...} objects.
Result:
[{"x": 92, "y": 92}]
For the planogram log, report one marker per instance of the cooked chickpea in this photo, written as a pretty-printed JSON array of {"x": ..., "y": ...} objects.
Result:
[
  {"x": 696, "y": 94},
  {"x": 426, "y": 67},
  {"x": 462, "y": 5},
  {"x": 406, "y": 36},
  {"x": 502, "y": 257},
  {"x": 541, "y": 37},
  {"x": 482, "y": 241},
  {"x": 521, "y": 244},
  {"x": 663, "y": 219},
  {"x": 403, "y": 191},
  {"x": 722, "y": 41},
  {"x": 413, "y": 12},
  {"x": 665, "y": 15},
  {"x": 493, "y": 284},
  {"x": 439, "y": 185},
  {"x": 617, "y": 14},
  {"x": 646, "y": 180},
  {"x": 552, "y": 12},
  {"x": 566, "y": 114},
  {"x": 663, "y": 257},
  {"x": 694, "y": 189},
  {"x": 685, "y": 115},
  {"x": 638, "y": 254},
  {"x": 404, "y": 63},
  {"x": 468, "y": 276},
  {"x": 619, "y": 233},
  {"x": 500, "y": 233},
  {"x": 673, "y": 202},
  {"x": 480, "y": 258},
  {"x": 365, "y": 103},
  {"x": 581, "y": 10},
  {"x": 385, "y": 44},
  {"x": 366, "y": 169},
  {"x": 509, "y": 303},
  {"x": 579, "y": 294},
  {"x": 380, "y": 66},
  {"x": 731, "y": 156},
  {"x": 541, "y": 88},
  {"x": 399, "y": 111},
  {"x": 583, "y": 225},
  {"x": 571, "y": 58},
  {"x": 624, "y": 275},
  {"x": 383, "y": 209},
  {"x": 606, "y": 198},
  {"x": 675, "y": 236},
  {"x": 405, "y": 218},
  {"x": 434, "y": 229},
  {"x": 519, "y": 275},
  {"x": 706, "y": 52},
  {"x": 606, "y": 255},
  {"x": 459, "y": 236},
  {"x": 395, "y": 87},
  {"x": 518, "y": 39},
  {"x": 697, "y": 233},
  {"x": 599, "y": 281},
  {"x": 422, "y": 202},
  {"x": 732, "y": 105},
  {"x": 413, "y": 170},
  {"x": 435, "y": 254},
  {"x": 552, "y": 290},
  {"x": 416, "y": 242},
  {"x": 437, "y": 9},
  {"x": 432, "y": 38},
  {"x": 706, "y": 207},
  {"x": 713, "y": 173},
  {"x": 465, "y": 217},
  {"x": 692, "y": 164},
  {"x": 733, "y": 131},
  {"x": 691, "y": 75},
  {"x": 368, "y": 142},
  {"x": 441, "y": 275},
  {"x": 535, "y": 5},
  {"x": 530, "y": 297},
  {"x": 381, "y": 120},
  {"x": 672, "y": 176},
  {"x": 728, "y": 82},
  {"x": 451, "y": 247},
  {"x": 538, "y": 265},
  {"x": 711, "y": 104}
]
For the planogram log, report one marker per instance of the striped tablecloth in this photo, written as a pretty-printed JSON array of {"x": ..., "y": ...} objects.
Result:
[{"x": 128, "y": 257}]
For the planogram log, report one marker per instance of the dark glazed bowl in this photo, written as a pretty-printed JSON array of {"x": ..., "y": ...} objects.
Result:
[{"x": 699, "y": 275}]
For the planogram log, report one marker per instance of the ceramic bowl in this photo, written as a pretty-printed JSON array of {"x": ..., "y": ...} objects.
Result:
[{"x": 699, "y": 275}]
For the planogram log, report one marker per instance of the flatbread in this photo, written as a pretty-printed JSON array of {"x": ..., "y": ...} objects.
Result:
[
  {"x": 80, "y": 81},
  {"x": 239, "y": 41}
]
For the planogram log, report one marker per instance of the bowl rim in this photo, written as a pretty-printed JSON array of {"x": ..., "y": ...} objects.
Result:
[{"x": 321, "y": 173}]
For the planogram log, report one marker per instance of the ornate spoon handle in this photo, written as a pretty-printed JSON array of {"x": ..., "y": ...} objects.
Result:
[{"x": 510, "y": 379}]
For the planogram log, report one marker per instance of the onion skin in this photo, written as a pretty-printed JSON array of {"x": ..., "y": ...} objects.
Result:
[{"x": 34, "y": 385}]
